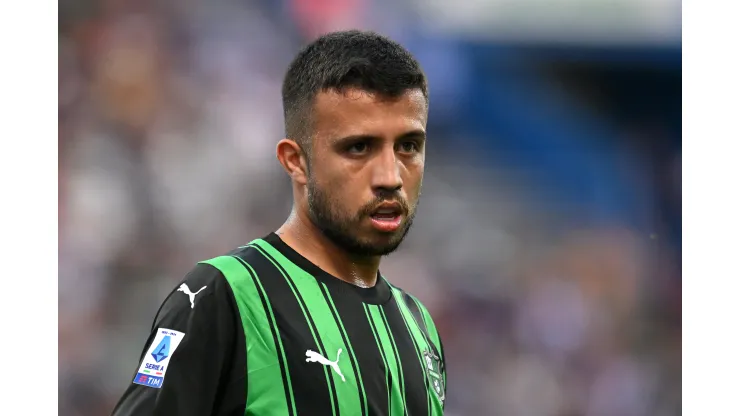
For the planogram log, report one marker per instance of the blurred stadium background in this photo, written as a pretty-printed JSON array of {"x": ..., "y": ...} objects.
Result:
[{"x": 548, "y": 242}]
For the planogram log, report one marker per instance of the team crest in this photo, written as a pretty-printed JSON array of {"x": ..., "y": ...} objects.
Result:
[{"x": 433, "y": 367}]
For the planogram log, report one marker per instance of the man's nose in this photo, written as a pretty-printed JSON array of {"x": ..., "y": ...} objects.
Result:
[{"x": 387, "y": 172}]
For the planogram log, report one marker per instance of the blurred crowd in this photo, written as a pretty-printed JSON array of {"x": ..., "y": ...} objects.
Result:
[{"x": 168, "y": 116}]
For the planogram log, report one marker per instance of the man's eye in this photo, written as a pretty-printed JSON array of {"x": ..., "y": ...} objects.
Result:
[
  {"x": 409, "y": 147},
  {"x": 360, "y": 147}
]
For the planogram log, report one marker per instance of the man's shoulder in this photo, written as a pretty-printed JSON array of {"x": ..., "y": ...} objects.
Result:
[
  {"x": 201, "y": 282},
  {"x": 412, "y": 301},
  {"x": 201, "y": 274},
  {"x": 211, "y": 276},
  {"x": 238, "y": 262},
  {"x": 248, "y": 264}
]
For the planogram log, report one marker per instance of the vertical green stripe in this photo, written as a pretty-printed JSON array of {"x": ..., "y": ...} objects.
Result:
[
  {"x": 266, "y": 362},
  {"x": 345, "y": 338},
  {"x": 308, "y": 288},
  {"x": 374, "y": 330},
  {"x": 398, "y": 393}
]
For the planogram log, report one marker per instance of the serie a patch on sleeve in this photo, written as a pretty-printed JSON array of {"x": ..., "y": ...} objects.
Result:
[{"x": 157, "y": 359}]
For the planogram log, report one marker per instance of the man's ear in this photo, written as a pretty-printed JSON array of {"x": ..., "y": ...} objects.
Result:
[{"x": 293, "y": 159}]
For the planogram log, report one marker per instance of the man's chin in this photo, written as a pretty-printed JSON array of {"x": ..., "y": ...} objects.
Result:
[
  {"x": 376, "y": 244},
  {"x": 383, "y": 243},
  {"x": 364, "y": 240},
  {"x": 375, "y": 250}
]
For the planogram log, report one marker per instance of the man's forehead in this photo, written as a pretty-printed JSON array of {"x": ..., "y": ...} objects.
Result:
[
  {"x": 351, "y": 111},
  {"x": 357, "y": 96}
]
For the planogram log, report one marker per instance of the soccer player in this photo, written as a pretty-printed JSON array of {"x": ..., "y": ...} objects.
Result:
[{"x": 301, "y": 322}]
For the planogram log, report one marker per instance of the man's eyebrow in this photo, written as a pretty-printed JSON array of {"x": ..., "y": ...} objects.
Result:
[
  {"x": 414, "y": 134},
  {"x": 356, "y": 138}
]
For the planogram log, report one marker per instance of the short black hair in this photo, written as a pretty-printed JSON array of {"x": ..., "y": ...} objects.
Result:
[{"x": 345, "y": 59}]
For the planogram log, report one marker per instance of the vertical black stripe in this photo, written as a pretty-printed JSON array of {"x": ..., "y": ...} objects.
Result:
[
  {"x": 350, "y": 354},
  {"x": 310, "y": 388},
  {"x": 397, "y": 357},
  {"x": 415, "y": 310},
  {"x": 321, "y": 350},
  {"x": 387, "y": 372},
  {"x": 415, "y": 380},
  {"x": 274, "y": 332}
]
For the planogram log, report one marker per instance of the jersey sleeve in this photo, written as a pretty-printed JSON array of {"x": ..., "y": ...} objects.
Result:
[
  {"x": 423, "y": 315},
  {"x": 189, "y": 352}
]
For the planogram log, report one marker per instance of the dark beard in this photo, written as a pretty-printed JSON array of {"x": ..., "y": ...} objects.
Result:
[{"x": 339, "y": 230}]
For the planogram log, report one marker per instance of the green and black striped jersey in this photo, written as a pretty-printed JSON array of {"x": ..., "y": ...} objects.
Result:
[{"x": 263, "y": 331}]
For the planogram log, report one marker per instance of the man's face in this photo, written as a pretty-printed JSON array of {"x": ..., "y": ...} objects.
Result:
[{"x": 366, "y": 168}]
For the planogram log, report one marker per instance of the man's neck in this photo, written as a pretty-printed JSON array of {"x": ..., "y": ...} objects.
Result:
[{"x": 301, "y": 235}]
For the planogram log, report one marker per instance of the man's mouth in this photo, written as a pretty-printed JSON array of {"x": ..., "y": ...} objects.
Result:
[{"x": 387, "y": 217}]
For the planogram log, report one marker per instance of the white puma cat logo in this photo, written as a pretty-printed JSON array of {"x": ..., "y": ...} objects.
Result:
[
  {"x": 314, "y": 357},
  {"x": 186, "y": 290}
]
